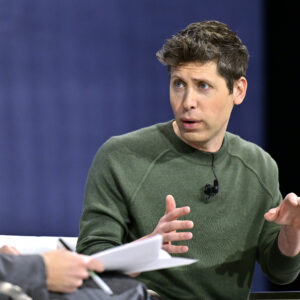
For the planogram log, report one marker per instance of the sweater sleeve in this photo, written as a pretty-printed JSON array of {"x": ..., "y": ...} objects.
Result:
[
  {"x": 25, "y": 271},
  {"x": 279, "y": 268},
  {"x": 285, "y": 267},
  {"x": 105, "y": 217}
]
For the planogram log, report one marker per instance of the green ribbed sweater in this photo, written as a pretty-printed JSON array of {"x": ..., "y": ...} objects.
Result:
[{"x": 125, "y": 197}]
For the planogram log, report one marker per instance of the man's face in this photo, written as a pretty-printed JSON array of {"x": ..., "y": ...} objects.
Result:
[{"x": 202, "y": 104}]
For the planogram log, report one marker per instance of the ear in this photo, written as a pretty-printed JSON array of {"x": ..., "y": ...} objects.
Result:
[{"x": 239, "y": 90}]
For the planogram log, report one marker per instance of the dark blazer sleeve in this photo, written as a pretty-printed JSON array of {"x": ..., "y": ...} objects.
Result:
[{"x": 26, "y": 271}]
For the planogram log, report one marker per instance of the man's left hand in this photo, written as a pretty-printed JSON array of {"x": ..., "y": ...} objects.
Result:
[{"x": 287, "y": 213}]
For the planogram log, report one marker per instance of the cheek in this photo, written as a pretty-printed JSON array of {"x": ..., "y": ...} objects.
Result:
[
  {"x": 175, "y": 110},
  {"x": 175, "y": 103},
  {"x": 228, "y": 106},
  {"x": 223, "y": 111}
]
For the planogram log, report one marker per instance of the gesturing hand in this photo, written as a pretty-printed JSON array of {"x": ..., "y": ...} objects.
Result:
[
  {"x": 168, "y": 226},
  {"x": 287, "y": 213}
]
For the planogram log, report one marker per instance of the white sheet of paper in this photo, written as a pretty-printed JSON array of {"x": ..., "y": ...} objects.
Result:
[
  {"x": 140, "y": 256},
  {"x": 35, "y": 244}
]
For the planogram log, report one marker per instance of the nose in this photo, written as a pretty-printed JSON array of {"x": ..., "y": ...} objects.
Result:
[{"x": 190, "y": 101}]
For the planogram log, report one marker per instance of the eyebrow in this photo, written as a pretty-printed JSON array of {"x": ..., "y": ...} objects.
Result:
[{"x": 195, "y": 80}]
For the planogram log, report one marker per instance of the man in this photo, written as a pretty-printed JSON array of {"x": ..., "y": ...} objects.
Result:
[
  {"x": 228, "y": 211},
  {"x": 61, "y": 274}
]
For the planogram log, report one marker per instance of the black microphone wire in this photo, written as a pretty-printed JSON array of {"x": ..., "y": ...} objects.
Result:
[
  {"x": 211, "y": 190},
  {"x": 213, "y": 166}
]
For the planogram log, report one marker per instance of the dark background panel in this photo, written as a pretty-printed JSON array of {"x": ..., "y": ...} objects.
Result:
[{"x": 283, "y": 121}]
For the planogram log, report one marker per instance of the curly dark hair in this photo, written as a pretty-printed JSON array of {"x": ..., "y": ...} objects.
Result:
[{"x": 207, "y": 41}]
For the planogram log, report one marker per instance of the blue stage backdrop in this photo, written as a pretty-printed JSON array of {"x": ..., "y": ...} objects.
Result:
[{"x": 75, "y": 72}]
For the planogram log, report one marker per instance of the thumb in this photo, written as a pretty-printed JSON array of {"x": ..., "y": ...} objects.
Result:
[
  {"x": 95, "y": 265},
  {"x": 170, "y": 204},
  {"x": 271, "y": 215}
]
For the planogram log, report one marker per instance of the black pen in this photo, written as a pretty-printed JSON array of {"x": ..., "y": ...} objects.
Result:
[
  {"x": 97, "y": 279},
  {"x": 66, "y": 246}
]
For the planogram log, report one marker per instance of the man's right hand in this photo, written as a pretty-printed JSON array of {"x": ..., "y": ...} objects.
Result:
[
  {"x": 168, "y": 226},
  {"x": 66, "y": 270}
]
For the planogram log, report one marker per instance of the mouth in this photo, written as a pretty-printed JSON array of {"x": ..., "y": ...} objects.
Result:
[{"x": 189, "y": 123}]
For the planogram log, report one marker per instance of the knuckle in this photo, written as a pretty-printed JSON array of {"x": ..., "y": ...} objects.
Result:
[
  {"x": 85, "y": 274},
  {"x": 166, "y": 238},
  {"x": 167, "y": 248},
  {"x": 183, "y": 236},
  {"x": 167, "y": 227},
  {"x": 78, "y": 283},
  {"x": 82, "y": 262},
  {"x": 71, "y": 289}
]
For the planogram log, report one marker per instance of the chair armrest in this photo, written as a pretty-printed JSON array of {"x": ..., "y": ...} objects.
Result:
[{"x": 13, "y": 291}]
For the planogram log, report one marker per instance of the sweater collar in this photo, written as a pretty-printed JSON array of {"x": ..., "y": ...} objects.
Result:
[{"x": 190, "y": 152}]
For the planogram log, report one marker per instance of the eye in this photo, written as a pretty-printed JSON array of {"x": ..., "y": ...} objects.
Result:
[
  {"x": 178, "y": 84},
  {"x": 203, "y": 85}
]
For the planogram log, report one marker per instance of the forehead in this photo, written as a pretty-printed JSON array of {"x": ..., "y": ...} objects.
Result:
[{"x": 195, "y": 69}]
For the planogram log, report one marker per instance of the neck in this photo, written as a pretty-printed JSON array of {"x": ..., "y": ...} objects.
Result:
[{"x": 206, "y": 146}]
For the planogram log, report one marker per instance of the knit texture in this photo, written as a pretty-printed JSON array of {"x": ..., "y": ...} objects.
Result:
[{"x": 125, "y": 197}]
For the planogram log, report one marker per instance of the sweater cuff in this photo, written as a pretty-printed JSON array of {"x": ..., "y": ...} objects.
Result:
[{"x": 282, "y": 263}]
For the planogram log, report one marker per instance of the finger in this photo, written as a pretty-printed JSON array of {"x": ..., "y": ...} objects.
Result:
[
  {"x": 177, "y": 213},
  {"x": 170, "y": 204},
  {"x": 76, "y": 284},
  {"x": 92, "y": 264},
  {"x": 134, "y": 274},
  {"x": 176, "y": 225},
  {"x": 175, "y": 249},
  {"x": 95, "y": 265},
  {"x": 177, "y": 236},
  {"x": 83, "y": 274},
  {"x": 70, "y": 286},
  {"x": 15, "y": 251},
  {"x": 9, "y": 250},
  {"x": 293, "y": 199},
  {"x": 272, "y": 214}
]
